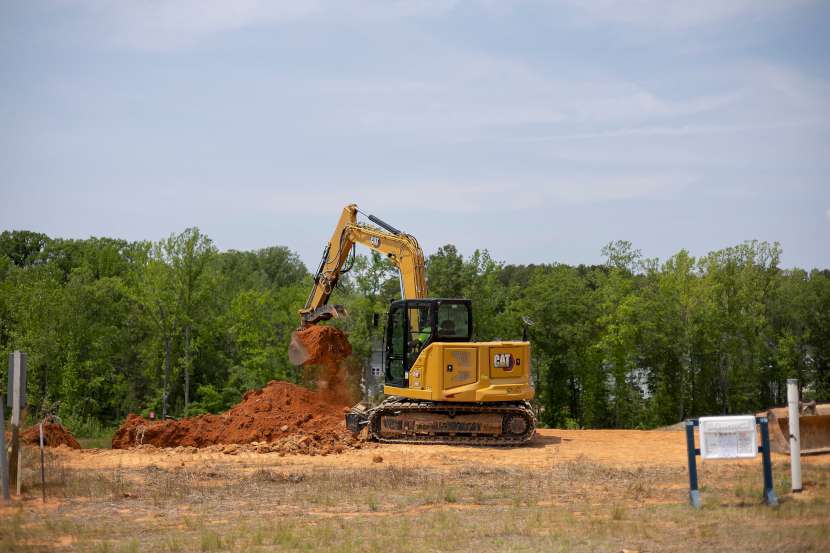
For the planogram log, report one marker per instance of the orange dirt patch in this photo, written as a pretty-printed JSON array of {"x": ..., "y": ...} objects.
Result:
[
  {"x": 280, "y": 417},
  {"x": 54, "y": 435}
]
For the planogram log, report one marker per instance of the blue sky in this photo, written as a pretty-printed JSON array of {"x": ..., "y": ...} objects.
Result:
[{"x": 538, "y": 130}]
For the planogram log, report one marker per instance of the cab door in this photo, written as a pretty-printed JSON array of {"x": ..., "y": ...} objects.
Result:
[{"x": 395, "y": 354}]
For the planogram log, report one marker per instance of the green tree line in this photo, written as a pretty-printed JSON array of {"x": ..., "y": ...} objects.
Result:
[{"x": 178, "y": 327}]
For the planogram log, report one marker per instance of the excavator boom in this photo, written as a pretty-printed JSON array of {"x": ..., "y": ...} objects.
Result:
[{"x": 402, "y": 250}]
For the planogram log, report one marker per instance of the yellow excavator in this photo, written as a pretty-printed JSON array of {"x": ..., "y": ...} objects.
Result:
[{"x": 441, "y": 387}]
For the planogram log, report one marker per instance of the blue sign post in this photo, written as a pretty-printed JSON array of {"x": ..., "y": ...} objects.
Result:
[
  {"x": 694, "y": 493},
  {"x": 764, "y": 449},
  {"x": 769, "y": 492}
]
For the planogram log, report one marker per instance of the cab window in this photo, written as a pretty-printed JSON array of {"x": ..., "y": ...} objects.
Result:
[
  {"x": 395, "y": 371},
  {"x": 453, "y": 321},
  {"x": 420, "y": 329}
]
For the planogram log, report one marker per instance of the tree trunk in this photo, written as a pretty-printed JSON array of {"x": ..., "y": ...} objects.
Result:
[
  {"x": 166, "y": 378},
  {"x": 165, "y": 393},
  {"x": 723, "y": 384},
  {"x": 186, "y": 367},
  {"x": 686, "y": 379},
  {"x": 576, "y": 414},
  {"x": 822, "y": 382}
]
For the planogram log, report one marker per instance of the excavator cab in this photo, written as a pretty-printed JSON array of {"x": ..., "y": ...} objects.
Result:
[
  {"x": 442, "y": 387},
  {"x": 414, "y": 324}
]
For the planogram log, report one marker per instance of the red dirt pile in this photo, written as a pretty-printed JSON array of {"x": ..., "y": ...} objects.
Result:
[
  {"x": 54, "y": 435},
  {"x": 280, "y": 417}
]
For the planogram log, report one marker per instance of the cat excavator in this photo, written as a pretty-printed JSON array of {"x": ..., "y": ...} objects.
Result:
[{"x": 440, "y": 386}]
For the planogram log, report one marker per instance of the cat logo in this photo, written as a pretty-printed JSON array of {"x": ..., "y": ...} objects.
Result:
[
  {"x": 375, "y": 241},
  {"x": 503, "y": 361}
]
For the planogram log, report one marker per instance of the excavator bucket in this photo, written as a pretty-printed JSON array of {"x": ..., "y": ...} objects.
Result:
[
  {"x": 324, "y": 313},
  {"x": 814, "y": 428}
]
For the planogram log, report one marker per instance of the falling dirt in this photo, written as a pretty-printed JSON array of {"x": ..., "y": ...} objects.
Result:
[
  {"x": 54, "y": 435},
  {"x": 322, "y": 350},
  {"x": 280, "y": 417},
  {"x": 319, "y": 345}
]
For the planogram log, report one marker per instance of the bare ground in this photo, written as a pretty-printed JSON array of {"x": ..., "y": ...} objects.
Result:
[{"x": 595, "y": 490}]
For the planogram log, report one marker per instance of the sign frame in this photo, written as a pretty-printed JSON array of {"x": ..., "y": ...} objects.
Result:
[{"x": 692, "y": 452}]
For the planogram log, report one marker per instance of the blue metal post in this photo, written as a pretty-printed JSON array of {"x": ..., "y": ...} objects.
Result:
[
  {"x": 769, "y": 493},
  {"x": 694, "y": 494}
]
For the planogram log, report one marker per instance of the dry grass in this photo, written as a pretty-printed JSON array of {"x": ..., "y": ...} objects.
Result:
[{"x": 570, "y": 506}]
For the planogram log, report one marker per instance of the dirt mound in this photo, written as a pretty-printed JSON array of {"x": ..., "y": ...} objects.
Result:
[
  {"x": 54, "y": 434},
  {"x": 289, "y": 418}
]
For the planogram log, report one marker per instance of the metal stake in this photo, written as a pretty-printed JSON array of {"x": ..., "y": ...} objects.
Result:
[
  {"x": 769, "y": 493},
  {"x": 694, "y": 493}
]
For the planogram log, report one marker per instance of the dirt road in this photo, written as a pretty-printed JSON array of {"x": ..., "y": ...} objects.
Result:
[
  {"x": 613, "y": 448},
  {"x": 569, "y": 490}
]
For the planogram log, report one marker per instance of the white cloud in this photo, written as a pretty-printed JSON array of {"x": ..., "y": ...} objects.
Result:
[
  {"x": 674, "y": 15},
  {"x": 462, "y": 195},
  {"x": 459, "y": 95},
  {"x": 165, "y": 24},
  {"x": 391, "y": 9},
  {"x": 169, "y": 24}
]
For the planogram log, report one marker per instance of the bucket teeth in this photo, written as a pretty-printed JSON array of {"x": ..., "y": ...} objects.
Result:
[{"x": 324, "y": 313}]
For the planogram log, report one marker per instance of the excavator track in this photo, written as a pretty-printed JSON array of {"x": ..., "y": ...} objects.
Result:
[{"x": 402, "y": 420}]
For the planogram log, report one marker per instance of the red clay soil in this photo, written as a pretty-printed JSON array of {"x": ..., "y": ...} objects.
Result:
[
  {"x": 54, "y": 434},
  {"x": 319, "y": 345},
  {"x": 289, "y": 418},
  {"x": 323, "y": 349}
]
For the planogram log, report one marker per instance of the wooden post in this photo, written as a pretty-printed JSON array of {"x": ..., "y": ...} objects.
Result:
[{"x": 17, "y": 400}]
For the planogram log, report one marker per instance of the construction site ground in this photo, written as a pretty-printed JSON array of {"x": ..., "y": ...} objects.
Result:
[{"x": 569, "y": 490}]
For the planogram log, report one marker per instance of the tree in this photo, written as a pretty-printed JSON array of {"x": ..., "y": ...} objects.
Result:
[
  {"x": 22, "y": 247},
  {"x": 189, "y": 255},
  {"x": 153, "y": 290},
  {"x": 113, "y": 326},
  {"x": 446, "y": 273},
  {"x": 562, "y": 304}
]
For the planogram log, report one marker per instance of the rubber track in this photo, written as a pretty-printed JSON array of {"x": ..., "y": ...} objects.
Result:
[{"x": 392, "y": 405}]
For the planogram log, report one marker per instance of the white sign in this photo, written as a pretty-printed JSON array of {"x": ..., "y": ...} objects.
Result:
[{"x": 728, "y": 437}]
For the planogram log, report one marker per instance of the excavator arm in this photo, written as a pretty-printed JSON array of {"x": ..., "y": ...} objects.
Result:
[{"x": 402, "y": 250}]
